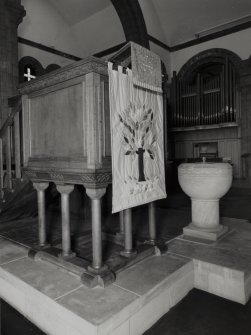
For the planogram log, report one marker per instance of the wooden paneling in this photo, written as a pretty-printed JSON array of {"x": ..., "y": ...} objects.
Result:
[
  {"x": 231, "y": 148},
  {"x": 228, "y": 139},
  {"x": 183, "y": 149},
  {"x": 106, "y": 121},
  {"x": 66, "y": 131},
  {"x": 204, "y": 135},
  {"x": 56, "y": 124},
  {"x": 94, "y": 121},
  {"x": 246, "y": 119}
]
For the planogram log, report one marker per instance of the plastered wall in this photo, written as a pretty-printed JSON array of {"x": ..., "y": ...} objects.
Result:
[{"x": 238, "y": 42}]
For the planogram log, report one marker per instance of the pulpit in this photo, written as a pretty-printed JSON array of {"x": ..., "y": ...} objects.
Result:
[
  {"x": 66, "y": 140},
  {"x": 66, "y": 125}
]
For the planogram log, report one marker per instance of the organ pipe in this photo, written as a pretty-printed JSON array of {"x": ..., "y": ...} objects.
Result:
[{"x": 210, "y": 100}]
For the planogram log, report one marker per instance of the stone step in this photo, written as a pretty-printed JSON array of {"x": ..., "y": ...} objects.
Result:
[
  {"x": 223, "y": 267},
  {"x": 58, "y": 303}
]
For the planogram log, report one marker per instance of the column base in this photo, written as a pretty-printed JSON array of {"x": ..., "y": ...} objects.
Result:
[
  {"x": 44, "y": 246},
  {"x": 160, "y": 247},
  {"x": 206, "y": 234},
  {"x": 128, "y": 254},
  {"x": 66, "y": 257},
  {"x": 101, "y": 277},
  {"x": 98, "y": 271}
]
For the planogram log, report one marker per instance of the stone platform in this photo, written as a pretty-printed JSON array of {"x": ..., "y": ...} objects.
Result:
[
  {"x": 223, "y": 267},
  {"x": 58, "y": 303}
]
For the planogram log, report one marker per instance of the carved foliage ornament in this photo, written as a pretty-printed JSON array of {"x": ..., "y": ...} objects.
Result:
[
  {"x": 90, "y": 179},
  {"x": 74, "y": 70}
]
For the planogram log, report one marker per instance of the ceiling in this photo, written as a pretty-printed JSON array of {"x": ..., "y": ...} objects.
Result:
[
  {"x": 179, "y": 20},
  {"x": 74, "y": 11}
]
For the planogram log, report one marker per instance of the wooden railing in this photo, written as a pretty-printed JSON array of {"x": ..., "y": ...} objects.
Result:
[
  {"x": 206, "y": 100},
  {"x": 10, "y": 146}
]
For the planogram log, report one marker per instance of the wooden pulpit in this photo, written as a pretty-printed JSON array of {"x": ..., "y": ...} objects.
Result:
[
  {"x": 66, "y": 140},
  {"x": 66, "y": 133}
]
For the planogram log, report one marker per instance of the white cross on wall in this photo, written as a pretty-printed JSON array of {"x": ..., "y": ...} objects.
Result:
[{"x": 28, "y": 75}]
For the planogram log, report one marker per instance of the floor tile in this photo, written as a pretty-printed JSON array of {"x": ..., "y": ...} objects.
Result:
[
  {"x": 210, "y": 254},
  {"x": 98, "y": 305},
  {"x": 145, "y": 275},
  {"x": 236, "y": 240},
  {"x": 45, "y": 277},
  {"x": 10, "y": 251}
]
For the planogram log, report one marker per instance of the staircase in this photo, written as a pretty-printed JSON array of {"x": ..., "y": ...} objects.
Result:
[{"x": 17, "y": 196}]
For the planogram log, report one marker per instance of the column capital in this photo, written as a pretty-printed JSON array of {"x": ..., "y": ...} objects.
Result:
[
  {"x": 95, "y": 193},
  {"x": 40, "y": 186},
  {"x": 65, "y": 188}
]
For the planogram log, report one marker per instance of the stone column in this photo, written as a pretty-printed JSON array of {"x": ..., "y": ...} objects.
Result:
[
  {"x": 95, "y": 195},
  {"x": 11, "y": 15},
  {"x": 41, "y": 187},
  {"x": 128, "y": 251},
  {"x": 120, "y": 236},
  {"x": 98, "y": 273},
  {"x": 159, "y": 245},
  {"x": 121, "y": 222},
  {"x": 65, "y": 191},
  {"x": 152, "y": 222}
]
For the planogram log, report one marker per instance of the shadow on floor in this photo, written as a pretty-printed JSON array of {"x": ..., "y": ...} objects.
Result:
[
  {"x": 13, "y": 323},
  {"x": 201, "y": 313}
]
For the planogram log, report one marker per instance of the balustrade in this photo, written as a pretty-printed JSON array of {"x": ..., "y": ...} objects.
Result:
[{"x": 10, "y": 147}]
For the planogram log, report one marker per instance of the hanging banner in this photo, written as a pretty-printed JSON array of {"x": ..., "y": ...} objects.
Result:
[
  {"x": 136, "y": 115},
  {"x": 146, "y": 68}
]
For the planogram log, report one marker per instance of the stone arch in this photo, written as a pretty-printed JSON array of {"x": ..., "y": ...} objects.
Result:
[
  {"x": 32, "y": 62},
  {"x": 215, "y": 55},
  {"x": 132, "y": 20},
  {"x": 52, "y": 67}
]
